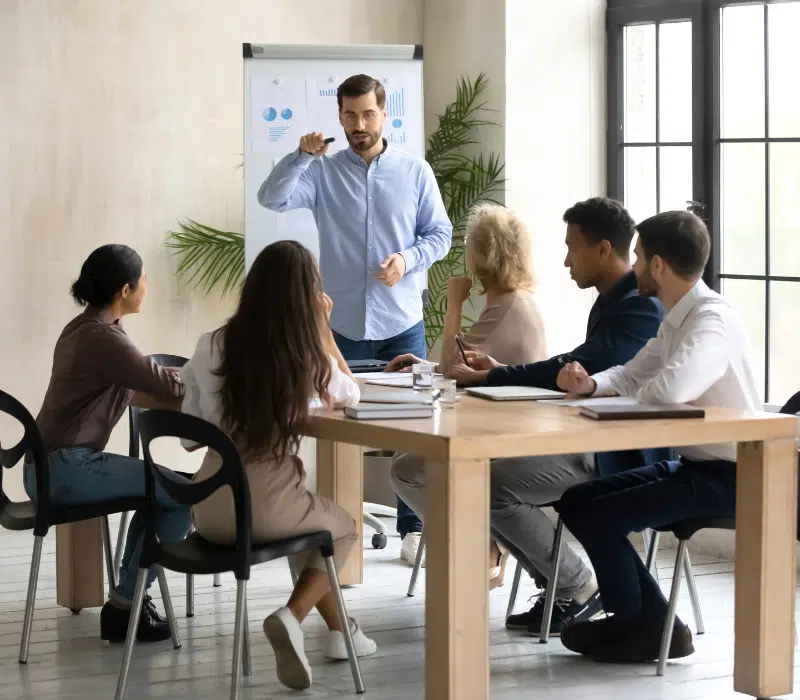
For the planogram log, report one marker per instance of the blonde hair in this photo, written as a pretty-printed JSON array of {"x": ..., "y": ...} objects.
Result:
[{"x": 499, "y": 248}]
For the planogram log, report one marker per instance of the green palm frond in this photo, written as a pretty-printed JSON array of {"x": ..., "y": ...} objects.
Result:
[
  {"x": 208, "y": 257},
  {"x": 211, "y": 259}
]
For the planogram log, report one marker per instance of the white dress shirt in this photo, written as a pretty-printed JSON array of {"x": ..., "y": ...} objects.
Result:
[
  {"x": 701, "y": 357},
  {"x": 202, "y": 397}
]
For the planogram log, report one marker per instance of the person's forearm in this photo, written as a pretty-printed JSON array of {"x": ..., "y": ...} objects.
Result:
[
  {"x": 333, "y": 350},
  {"x": 452, "y": 327},
  {"x": 277, "y": 191}
]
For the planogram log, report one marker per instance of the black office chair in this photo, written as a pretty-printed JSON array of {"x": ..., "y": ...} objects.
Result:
[
  {"x": 43, "y": 514},
  {"x": 133, "y": 451},
  {"x": 194, "y": 555},
  {"x": 684, "y": 531}
]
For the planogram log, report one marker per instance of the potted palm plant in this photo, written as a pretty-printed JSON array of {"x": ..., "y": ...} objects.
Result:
[{"x": 214, "y": 260}]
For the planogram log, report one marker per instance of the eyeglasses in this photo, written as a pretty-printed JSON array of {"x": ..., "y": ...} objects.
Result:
[{"x": 352, "y": 119}]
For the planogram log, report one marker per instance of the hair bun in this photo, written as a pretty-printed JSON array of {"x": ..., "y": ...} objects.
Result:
[{"x": 83, "y": 290}]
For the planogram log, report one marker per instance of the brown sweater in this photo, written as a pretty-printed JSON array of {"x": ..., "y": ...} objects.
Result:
[{"x": 96, "y": 369}]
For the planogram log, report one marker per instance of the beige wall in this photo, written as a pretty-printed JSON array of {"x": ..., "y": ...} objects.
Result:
[{"x": 119, "y": 117}]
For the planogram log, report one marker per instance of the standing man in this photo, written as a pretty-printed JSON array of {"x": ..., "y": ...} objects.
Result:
[{"x": 382, "y": 224}]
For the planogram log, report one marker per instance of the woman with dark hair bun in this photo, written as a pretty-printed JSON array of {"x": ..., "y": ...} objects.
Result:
[{"x": 96, "y": 372}]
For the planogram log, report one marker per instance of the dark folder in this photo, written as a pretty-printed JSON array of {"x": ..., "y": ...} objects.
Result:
[{"x": 641, "y": 411}]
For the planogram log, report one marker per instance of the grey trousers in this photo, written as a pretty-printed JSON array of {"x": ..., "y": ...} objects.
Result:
[{"x": 519, "y": 487}]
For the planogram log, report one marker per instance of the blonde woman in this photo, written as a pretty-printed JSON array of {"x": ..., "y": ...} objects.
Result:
[{"x": 499, "y": 256}]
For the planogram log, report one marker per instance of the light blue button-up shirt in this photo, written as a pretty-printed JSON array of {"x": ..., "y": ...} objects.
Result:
[{"x": 364, "y": 214}]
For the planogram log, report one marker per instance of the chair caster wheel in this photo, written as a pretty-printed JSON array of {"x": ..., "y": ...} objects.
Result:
[
  {"x": 75, "y": 611},
  {"x": 379, "y": 541}
]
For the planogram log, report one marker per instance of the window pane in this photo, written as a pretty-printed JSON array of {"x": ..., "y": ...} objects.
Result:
[
  {"x": 640, "y": 83},
  {"x": 748, "y": 297},
  {"x": 743, "y": 208},
  {"x": 743, "y": 71},
  {"x": 640, "y": 182},
  {"x": 784, "y": 198},
  {"x": 675, "y": 81},
  {"x": 784, "y": 96},
  {"x": 676, "y": 177},
  {"x": 784, "y": 340}
]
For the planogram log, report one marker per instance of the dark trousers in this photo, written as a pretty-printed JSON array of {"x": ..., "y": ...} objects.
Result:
[
  {"x": 602, "y": 513},
  {"x": 413, "y": 341}
]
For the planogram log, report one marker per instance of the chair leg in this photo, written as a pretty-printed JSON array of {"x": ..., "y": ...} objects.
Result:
[
  {"x": 130, "y": 638},
  {"x": 669, "y": 623},
  {"x": 698, "y": 614},
  {"x": 121, "y": 534},
  {"x": 651, "y": 560},
  {"x": 217, "y": 580},
  {"x": 292, "y": 572},
  {"x": 30, "y": 602},
  {"x": 246, "y": 667},
  {"x": 189, "y": 595},
  {"x": 512, "y": 600},
  {"x": 111, "y": 572},
  {"x": 412, "y": 584},
  {"x": 238, "y": 637},
  {"x": 552, "y": 584},
  {"x": 345, "y": 621},
  {"x": 166, "y": 598}
]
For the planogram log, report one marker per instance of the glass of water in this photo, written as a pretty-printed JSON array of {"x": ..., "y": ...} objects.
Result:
[
  {"x": 422, "y": 376},
  {"x": 448, "y": 394}
]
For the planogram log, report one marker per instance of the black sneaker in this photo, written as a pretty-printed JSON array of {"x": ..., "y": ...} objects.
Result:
[
  {"x": 643, "y": 643},
  {"x": 114, "y": 624},
  {"x": 150, "y": 607},
  {"x": 565, "y": 610}
]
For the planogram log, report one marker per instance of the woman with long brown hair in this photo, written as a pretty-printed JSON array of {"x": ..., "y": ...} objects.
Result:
[{"x": 255, "y": 378}]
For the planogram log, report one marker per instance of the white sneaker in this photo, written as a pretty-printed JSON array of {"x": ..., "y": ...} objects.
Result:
[
  {"x": 284, "y": 633},
  {"x": 409, "y": 548},
  {"x": 336, "y": 649}
]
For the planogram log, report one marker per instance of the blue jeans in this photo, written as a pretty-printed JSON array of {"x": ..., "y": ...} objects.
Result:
[
  {"x": 80, "y": 475},
  {"x": 413, "y": 341},
  {"x": 602, "y": 512}
]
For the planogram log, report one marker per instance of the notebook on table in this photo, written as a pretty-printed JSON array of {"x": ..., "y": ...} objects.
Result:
[
  {"x": 388, "y": 411},
  {"x": 361, "y": 366},
  {"x": 514, "y": 393},
  {"x": 374, "y": 396},
  {"x": 615, "y": 411}
]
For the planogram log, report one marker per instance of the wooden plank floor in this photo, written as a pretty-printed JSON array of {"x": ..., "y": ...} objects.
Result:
[{"x": 68, "y": 660}]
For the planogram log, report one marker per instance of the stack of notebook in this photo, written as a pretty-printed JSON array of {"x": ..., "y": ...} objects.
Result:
[{"x": 386, "y": 405}]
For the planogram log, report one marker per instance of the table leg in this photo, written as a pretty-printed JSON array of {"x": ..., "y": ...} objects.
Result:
[
  {"x": 457, "y": 598},
  {"x": 79, "y": 565},
  {"x": 766, "y": 529},
  {"x": 340, "y": 477}
]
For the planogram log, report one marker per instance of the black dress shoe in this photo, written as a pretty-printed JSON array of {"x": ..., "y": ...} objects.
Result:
[
  {"x": 643, "y": 643},
  {"x": 114, "y": 624},
  {"x": 582, "y": 637}
]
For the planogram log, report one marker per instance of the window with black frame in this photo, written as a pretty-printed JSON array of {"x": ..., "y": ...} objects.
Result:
[{"x": 704, "y": 112}]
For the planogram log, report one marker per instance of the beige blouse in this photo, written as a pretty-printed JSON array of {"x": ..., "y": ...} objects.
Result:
[{"x": 510, "y": 329}]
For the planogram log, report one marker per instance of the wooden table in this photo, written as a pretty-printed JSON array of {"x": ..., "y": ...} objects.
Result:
[{"x": 459, "y": 444}]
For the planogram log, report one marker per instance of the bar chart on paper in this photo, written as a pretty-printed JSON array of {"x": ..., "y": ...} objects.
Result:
[{"x": 395, "y": 132}]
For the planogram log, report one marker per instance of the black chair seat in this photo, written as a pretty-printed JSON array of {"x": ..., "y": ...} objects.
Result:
[
  {"x": 686, "y": 529},
  {"x": 195, "y": 555},
  {"x": 18, "y": 516},
  {"x": 61, "y": 515}
]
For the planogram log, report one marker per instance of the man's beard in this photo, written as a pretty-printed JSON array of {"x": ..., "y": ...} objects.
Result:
[
  {"x": 647, "y": 286},
  {"x": 360, "y": 144}
]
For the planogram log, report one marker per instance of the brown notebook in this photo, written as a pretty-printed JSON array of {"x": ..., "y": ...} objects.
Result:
[{"x": 641, "y": 411}]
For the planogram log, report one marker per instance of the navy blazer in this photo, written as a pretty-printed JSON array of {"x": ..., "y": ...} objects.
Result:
[{"x": 620, "y": 324}]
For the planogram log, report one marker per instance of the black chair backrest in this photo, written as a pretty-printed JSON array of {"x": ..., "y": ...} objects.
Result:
[
  {"x": 133, "y": 413},
  {"x": 30, "y": 444},
  {"x": 792, "y": 405},
  {"x": 155, "y": 424}
]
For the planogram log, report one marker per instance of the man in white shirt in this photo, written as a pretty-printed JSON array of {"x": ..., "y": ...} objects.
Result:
[{"x": 699, "y": 357}]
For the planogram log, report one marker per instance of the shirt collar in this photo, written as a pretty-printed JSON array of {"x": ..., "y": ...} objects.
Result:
[
  {"x": 358, "y": 160},
  {"x": 678, "y": 313},
  {"x": 622, "y": 286}
]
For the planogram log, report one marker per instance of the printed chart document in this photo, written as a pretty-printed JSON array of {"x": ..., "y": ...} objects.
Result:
[
  {"x": 278, "y": 114},
  {"x": 323, "y": 109}
]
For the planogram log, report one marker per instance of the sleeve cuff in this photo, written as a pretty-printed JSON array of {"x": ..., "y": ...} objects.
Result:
[
  {"x": 604, "y": 384},
  {"x": 410, "y": 257}
]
